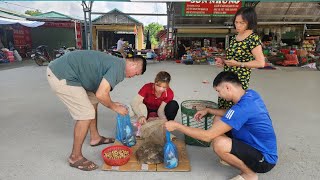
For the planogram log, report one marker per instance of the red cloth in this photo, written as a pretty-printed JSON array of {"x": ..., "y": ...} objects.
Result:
[{"x": 150, "y": 99}]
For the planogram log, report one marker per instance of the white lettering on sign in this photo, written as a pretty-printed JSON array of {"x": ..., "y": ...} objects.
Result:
[{"x": 217, "y": 2}]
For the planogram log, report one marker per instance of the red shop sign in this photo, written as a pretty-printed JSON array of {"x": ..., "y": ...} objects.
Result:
[
  {"x": 59, "y": 24},
  {"x": 212, "y": 8}
]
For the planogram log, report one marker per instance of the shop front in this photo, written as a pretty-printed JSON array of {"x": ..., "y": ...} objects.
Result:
[
  {"x": 109, "y": 28},
  {"x": 287, "y": 30},
  {"x": 200, "y": 27},
  {"x": 59, "y": 30},
  {"x": 15, "y": 38}
]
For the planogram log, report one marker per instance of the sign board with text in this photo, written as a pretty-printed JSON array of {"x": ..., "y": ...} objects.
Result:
[{"x": 211, "y": 8}]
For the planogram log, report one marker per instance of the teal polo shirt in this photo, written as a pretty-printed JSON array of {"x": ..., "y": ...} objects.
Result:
[{"x": 86, "y": 68}]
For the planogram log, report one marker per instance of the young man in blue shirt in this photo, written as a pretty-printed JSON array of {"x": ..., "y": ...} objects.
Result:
[{"x": 252, "y": 148}]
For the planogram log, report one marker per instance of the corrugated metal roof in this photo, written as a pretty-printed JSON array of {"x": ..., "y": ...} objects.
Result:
[
  {"x": 52, "y": 15},
  {"x": 105, "y": 18},
  {"x": 5, "y": 13},
  {"x": 292, "y": 11}
]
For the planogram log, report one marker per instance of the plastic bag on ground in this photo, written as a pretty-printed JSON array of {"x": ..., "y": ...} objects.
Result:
[{"x": 170, "y": 153}]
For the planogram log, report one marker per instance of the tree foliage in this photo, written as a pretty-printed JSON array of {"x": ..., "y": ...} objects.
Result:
[
  {"x": 32, "y": 12},
  {"x": 153, "y": 28}
]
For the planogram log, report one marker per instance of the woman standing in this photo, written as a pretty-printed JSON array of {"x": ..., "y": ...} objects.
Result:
[
  {"x": 245, "y": 50},
  {"x": 155, "y": 100}
]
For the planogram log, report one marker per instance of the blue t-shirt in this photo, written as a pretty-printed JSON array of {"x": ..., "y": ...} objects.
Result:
[
  {"x": 87, "y": 68},
  {"x": 251, "y": 124}
]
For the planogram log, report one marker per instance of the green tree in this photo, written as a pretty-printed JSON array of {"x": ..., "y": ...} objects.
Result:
[
  {"x": 32, "y": 12},
  {"x": 153, "y": 28}
]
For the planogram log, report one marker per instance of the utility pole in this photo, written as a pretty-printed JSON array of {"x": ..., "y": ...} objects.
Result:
[{"x": 87, "y": 24}]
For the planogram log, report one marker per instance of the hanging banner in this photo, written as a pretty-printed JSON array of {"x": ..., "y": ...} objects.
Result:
[
  {"x": 78, "y": 36},
  {"x": 21, "y": 36},
  {"x": 211, "y": 8}
]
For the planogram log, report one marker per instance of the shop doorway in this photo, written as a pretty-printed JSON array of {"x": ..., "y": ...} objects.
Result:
[{"x": 107, "y": 40}]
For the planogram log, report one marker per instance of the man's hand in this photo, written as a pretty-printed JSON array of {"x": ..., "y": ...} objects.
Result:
[
  {"x": 142, "y": 120},
  {"x": 232, "y": 63},
  {"x": 171, "y": 125},
  {"x": 199, "y": 115},
  {"x": 120, "y": 108}
]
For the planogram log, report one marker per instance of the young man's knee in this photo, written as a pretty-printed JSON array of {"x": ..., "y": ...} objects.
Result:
[{"x": 221, "y": 144}]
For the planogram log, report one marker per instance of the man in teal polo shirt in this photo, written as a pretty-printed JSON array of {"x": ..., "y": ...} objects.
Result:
[
  {"x": 81, "y": 80},
  {"x": 252, "y": 148}
]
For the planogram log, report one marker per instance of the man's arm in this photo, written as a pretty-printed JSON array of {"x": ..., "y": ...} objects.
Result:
[
  {"x": 217, "y": 112},
  {"x": 103, "y": 95},
  {"x": 218, "y": 128},
  {"x": 161, "y": 112},
  {"x": 139, "y": 108}
]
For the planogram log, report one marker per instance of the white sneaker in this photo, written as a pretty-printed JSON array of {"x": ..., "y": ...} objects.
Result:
[{"x": 239, "y": 177}]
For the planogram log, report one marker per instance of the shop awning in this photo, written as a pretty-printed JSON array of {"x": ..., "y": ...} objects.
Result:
[
  {"x": 5, "y": 21},
  {"x": 201, "y": 35}
]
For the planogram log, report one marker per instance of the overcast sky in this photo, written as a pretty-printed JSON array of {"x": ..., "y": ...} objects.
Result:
[{"x": 74, "y": 8}]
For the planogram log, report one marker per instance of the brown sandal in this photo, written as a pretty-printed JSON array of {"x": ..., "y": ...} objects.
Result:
[
  {"x": 84, "y": 165},
  {"x": 103, "y": 141}
]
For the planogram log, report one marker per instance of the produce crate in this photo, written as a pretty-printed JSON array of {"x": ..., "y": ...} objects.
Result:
[{"x": 188, "y": 110}]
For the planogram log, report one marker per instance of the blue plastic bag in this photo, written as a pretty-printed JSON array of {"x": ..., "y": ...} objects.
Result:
[
  {"x": 170, "y": 153},
  {"x": 124, "y": 131}
]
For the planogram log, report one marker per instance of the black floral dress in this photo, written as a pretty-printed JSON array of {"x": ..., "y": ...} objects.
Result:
[{"x": 241, "y": 52}]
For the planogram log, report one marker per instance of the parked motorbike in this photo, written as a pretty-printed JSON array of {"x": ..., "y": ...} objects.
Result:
[
  {"x": 128, "y": 51},
  {"x": 62, "y": 51},
  {"x": 41, "y": 55}
]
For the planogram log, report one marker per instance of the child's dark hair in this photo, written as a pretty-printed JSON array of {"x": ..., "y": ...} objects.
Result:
[
  {"x": 249, "y": 15},
  {"x": 226, "y": 76},
  {"x": 163, "y": 76}
]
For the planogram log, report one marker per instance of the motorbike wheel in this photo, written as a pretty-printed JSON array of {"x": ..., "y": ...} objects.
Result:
[{"x": 39, "y": 61}]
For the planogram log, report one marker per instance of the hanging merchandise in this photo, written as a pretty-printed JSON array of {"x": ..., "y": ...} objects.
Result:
[
  {"x": 266, "y": 31},
  {"x": 124, "y": 131},
  {"x": 283, "y": 30}
]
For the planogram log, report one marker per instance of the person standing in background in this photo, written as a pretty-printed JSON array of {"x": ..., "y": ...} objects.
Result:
[
  {"x": 120, "y": 47},
  {"x": 244, "y": 52}
]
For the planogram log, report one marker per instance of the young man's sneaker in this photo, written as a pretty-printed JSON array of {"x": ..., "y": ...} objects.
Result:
[{"x": 224, "y": 163}]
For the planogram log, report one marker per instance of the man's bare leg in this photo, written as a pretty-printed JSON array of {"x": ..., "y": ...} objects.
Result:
[
  {"x": 94, "y": 134},
  {"x": 222, "y": 146},
  {"x": 95, "y": 137},
  {"x": 80, "y": 133}
]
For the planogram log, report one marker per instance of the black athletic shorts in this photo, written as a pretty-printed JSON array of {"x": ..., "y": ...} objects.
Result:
[{"x": 250, "y": 156}]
